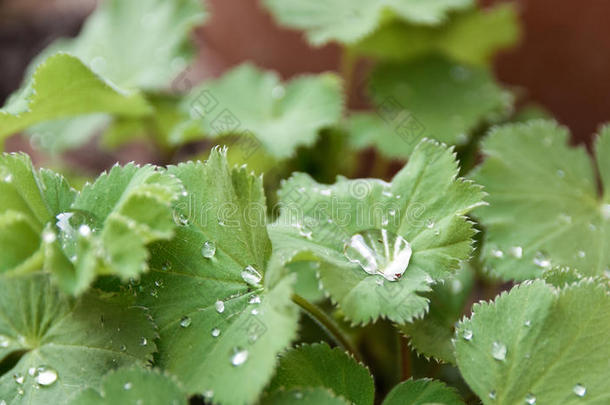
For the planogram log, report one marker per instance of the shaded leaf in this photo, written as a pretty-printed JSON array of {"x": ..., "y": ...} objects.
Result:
[
  {"x": 422, "y": 392},
  {"x": 544, "y": 206}
]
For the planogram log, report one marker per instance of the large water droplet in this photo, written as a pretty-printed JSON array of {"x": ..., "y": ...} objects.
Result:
[
  {"x": 251, "y": 276},
  {"x": 185, "y": 322},
  {"x": 220, "y": 306},
  {"x": 579, "y": 390},
  {"x": 208, "y": 250},
  {"x": 530, "y": 399},
  {"x": 239, "y": 357},
  {"x": 215, "y": 332},
  {"x": 45, "y": 376},
  {"x": 498, "y": 351},
  {"x": 379, "y": 252}
]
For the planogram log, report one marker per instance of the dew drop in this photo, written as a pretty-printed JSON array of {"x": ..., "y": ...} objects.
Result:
[
  {"x": 220, "y": 306},
  {"x": 32, "y": 371},
  {"x": 565, "y": 218},
  {"x": 123, "y": 348},
  {"x": 498, "y": 351},
  {"x": 251, "y": 276},
  {"x": 143, "y": 341},
  {"x": 467, "y": 334},
  {"x": 492, "y": 394},
  {"x": 606, "y": 211},
  {"x": 254, "y": 311},
  {"x": 516, "y": 251},
  {"x": 528, "y": 323},
  {"x": 530, "y": 399},
  {"x": 4, "y": 341},
  {"x": 185, "y": 322},
  {"x": 48, "y": 236},
  {"x": 581, "y": 254},
  {"x": 497, "y": 253},
  {"x": 239, "y": 357},
  {"x": 84, "y": 230},
  {"x": 208, "y": 250},
  {"x": 379, "y": 252},
  {"x": 326, "y": 192},
  {"x": 45, "y": 376},
  {"x": 255, "y": 299},
  {"x": 127, "y": 386},
  {"x": 180, "y": 219},
  {"x": 429, "y": 223},
  {"x": 215, "y": 332},
  {"x": 542, "y": 261},
  {"x": 209, "y": 394},
  {"x": 579, "y": 390},
  {"x": 561, "y": 173},
  {"x": 19, "y": 378}
]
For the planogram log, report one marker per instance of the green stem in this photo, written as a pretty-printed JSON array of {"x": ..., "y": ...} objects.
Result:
[
  {"x": 327, "y": 324},
  {"x": 405, "y": 357},
  {"x": 348, "y": 63}
]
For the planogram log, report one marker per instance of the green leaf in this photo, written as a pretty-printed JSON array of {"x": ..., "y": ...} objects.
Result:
[
  {"x": 220, "y": 329},
  {"x": 307, "y": 284},
  {"x": 471, "y": 37},
  {"x": 422, "y": 392},
  {"x": 255, "y": 104},
  {"x": 317, "y": 365},
  {"x": 102, "y": 230},
  {"x": 141, "y": 45},
  {"x": 133, "y": 385},
  {"x": 537, "y": 344},
  {"x": 347, "y": 21},
  {"x": 424, "y": 205},
  {"x": 55, "y": 345},
  {"x": 544, "y": 205},
  {"x": 81, "y": 90},
  {"x": 432, "y": 335},
  {"x": 428, "y": 97},
  {"x": 311, "y": 396}
]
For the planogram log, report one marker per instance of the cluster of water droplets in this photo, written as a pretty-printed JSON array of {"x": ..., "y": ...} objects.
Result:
[{"x": 379, "y": 252}]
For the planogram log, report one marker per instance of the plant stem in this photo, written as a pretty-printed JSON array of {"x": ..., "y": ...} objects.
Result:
[
  {"x": 348, "y": 63},
  {"x": 327, "y": 324},
  {"x": 405, "y": 358}
]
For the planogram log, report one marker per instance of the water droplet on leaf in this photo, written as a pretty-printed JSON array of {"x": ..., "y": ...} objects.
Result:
[
  {"x": 379, "y": 252},
  {"x": 516, "y": 251},
  {"x": 530, "y": 399},
  {"x": 498, "y": 351},
  {"x": 208, "y": 250},
  {"x": 467, "y": 334},
  {"x": 127, "y": 386},
  {"x": 251, "y": 276},
  {"x": 45, "y": 376},
  {"x": 185, "y": 322},
  {"x": 239, "y": 357},
  {"x": 579, "y": 390},
  {"x": 220, "y": 306},
  {"x": 542, "y": 261},
  {"x": 215, "y": 332}
]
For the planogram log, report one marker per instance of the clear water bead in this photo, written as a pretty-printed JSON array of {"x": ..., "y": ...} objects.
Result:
[
  {"x": 127, "y": 386},
  {"x": 379, "y": 252},
  {"x": 4, "y": 341},
  {"x": 208, "y": 250},
  {"x": 215, "y": 332},
  {"x": 220, "y": 306},
  {"x": 542, "y": 261},
  {"x": 255, "y": 299},
  {"x": 516, "y": 251},
  {"x": 45, "y": 376},
  {"x": 492, "y": 394},
  {"x": 530, "y": 399},
  {"x": 185, "y": 322},
  {"x": 606, "y": 211},
  {"x": 251, "y": 276},
  {"x": 579, "y": 390},
  {"x": 467, "y": 334},
  {"x": 239, "y": 357},
  {"x": 498, "y": 351}
]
